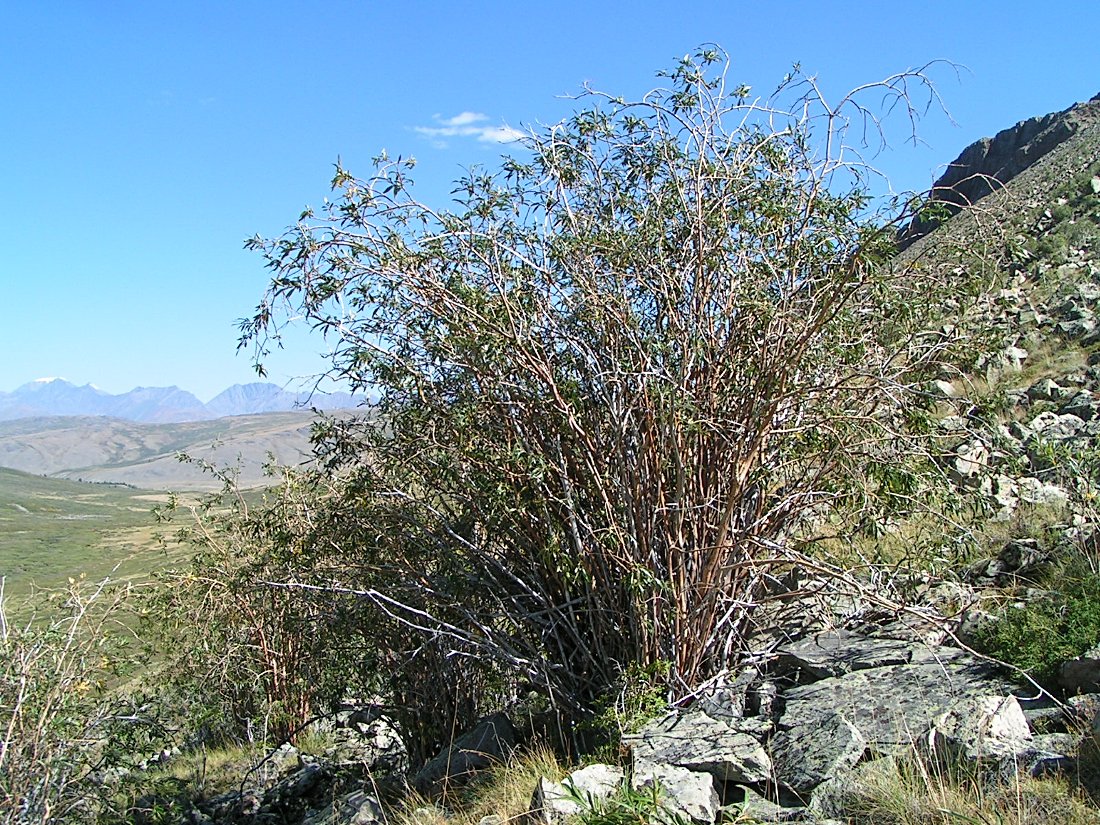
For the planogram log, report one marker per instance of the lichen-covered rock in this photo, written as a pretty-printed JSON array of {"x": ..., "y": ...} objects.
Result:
[
  {"x": 755, "y": 808},
  {"x": 699, "y": 742},
  {"x": 355, "y": 808},
  {"x": 892, "y": 705},
  {"x": 1035, "y": 491},
  {"x": 727, "y": 698},
  {"x": 971, "y": 461},
  {"x": 981, "y": 728},
  {"x": 364, "y": 737},
  {"x": 1051, "y": 754},
  {"x": 836, "y": 652},
  {"x": 804, "y": 757}
]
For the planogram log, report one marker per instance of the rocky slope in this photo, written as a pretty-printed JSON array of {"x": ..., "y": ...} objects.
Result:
[{"x": 988, "y": 164}]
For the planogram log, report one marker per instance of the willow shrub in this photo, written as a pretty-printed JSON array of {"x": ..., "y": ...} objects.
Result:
[{"x": 617, "y": 374}]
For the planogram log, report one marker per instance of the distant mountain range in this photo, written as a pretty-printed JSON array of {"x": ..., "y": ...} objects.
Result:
[{"x": 56, "y": 396}]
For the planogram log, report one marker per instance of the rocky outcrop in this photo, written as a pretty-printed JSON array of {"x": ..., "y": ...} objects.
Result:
[
  {"x": 988, "y": 164},
  {"x": 846, "y": 702}
]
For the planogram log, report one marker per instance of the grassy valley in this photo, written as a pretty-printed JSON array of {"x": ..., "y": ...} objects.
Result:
[
  {"x": 77, "y": 493},
  {"x": 51, "y": 529}
]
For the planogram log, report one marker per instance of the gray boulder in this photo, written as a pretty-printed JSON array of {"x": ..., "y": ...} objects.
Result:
[
  {"x": 1082, "y": 405},
  {"x": 1019, "y": 557},
  {"x": 728, "y": 698},
  {"x": 366, "y": 738},
  {"x": 981, "y": 728},
  {"x": 487, "y": 744},
  {"x": 1050, "y": 754},
  {"x": 1002, "y": 493},
  {"x": 1053, "y": 426},
  {"x": 1047, "y": 390},
  {"x": 555, "y": 802},
  {"x": 1035, "y": 491},
  {"x": 971, "y": 461},
  {"x": 1082, "y": 674}
]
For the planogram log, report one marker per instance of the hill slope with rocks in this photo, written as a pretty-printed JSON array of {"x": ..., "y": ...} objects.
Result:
[
  {"x": 850, "y": 679},
  {"x": 988, "y": 164},
  {"x": 843, "y": 690}
]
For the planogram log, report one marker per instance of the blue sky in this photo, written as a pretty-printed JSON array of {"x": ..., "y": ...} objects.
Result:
[{"x": 143, "y": 142}]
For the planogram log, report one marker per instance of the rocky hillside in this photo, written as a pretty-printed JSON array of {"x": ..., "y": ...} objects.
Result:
[
  {"x": 988, "y": 164},
  {"x": 1028, "y": 417}
]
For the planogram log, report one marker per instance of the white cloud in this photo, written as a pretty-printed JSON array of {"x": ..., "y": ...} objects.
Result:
[
  {"x": 468, "y": 124},
  {"x": 463, "y": 119}
]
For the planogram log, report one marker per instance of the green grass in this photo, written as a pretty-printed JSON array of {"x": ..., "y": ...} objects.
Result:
[{"x": 52, "y": 529}]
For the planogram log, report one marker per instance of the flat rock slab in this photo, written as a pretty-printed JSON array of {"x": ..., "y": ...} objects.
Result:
[
  {"x": 894, "y": 705},
  {"x": 699, "y": 742},
  {"x": 836, "y": 652}
]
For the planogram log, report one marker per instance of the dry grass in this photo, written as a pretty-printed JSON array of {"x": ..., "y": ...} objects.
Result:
[
  {"x": 503, "y": 793},
  {"x": 914, "y": 792},
  {"x": 207, "y": 772}
]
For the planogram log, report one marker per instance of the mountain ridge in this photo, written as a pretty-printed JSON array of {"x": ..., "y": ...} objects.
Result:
[
  {"x": 47, "y": 397},
  {"x": 987, "y": 165}
]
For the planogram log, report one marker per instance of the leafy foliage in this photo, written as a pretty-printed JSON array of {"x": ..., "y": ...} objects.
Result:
[
  {"x": 250, "y": 661},
  {"x": 627, "y": 806}
]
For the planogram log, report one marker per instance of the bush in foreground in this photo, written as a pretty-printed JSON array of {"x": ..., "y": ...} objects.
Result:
[
  {"x": 618, "y": 376},
  {"x": 59, "y": 725}
]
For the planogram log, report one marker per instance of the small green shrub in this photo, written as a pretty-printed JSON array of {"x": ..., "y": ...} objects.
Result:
[
  {"x": 1041, "y": 634},
  {"x": 627, "y": 806},
  {"x": 640, "y": 696}
]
